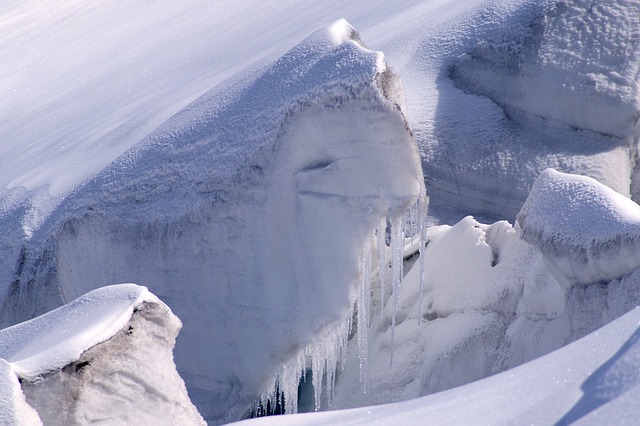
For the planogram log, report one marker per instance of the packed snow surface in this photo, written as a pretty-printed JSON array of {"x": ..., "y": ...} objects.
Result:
[{"x": 55, "y": 339}]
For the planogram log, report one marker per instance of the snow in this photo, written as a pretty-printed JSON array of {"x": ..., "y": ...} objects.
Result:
[
  {"x": 587, "y": 232},
  {"x": 591, "y": 381},
  {"x": 246, "y": 173},
  {"x": 14, "y": 409},
  {"x": 105, "y": 355},
  {"x": 249, "y": 207},
  {"x": 55, "y": 339}
]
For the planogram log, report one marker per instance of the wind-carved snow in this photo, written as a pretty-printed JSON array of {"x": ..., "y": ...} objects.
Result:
[
  {"x": 250, "y": 207},
  {"x": 587, "y": 232},
  {"x": 578, "y": 65},
  {"x": 104, "y": 356},
  {"x": 543, "y": 84}
]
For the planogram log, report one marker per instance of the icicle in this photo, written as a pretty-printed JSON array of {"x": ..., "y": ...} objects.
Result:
[
  {"x": 397, "y": 246},
  {"x": 422, "y": 229},
  {"x": 317, "y": 369},
  {"x": 364, "y": 301},
  {"x": 382, "y": 266}
]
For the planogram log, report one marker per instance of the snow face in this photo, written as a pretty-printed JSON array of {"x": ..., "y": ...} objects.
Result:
[
  {"x": 574, "y": 66},
  {"x": 587, "y": 232},
  {"x": 104, "y": 356},
  {"x": 250, "y": 207}
]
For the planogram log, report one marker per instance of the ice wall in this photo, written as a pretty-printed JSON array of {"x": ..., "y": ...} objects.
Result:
[
  {"x": 247, "y": 213},
  {"x": 106, "y": 356}
]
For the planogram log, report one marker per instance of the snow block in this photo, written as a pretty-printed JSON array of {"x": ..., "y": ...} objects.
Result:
[
  {"x": 587, "y": 232},
  {"x": 247, "y": 213},
  {"x": 106, "y": 356}
]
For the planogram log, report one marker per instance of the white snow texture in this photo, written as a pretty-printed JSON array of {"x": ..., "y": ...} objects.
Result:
[
  {"x": 106, "y": 356},
  {"x": 265, "y": 175}
]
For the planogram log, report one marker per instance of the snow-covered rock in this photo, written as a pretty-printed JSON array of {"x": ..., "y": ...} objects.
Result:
[
  {"x": 587, "y": 232},
  {"x": 104, "y": 357},
  {"x": 249, "y": 208}
]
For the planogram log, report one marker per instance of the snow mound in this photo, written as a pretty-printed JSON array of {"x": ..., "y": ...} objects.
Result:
[
  {"x": 587, "y": 232},
  {"x": 250, "y": 207},
  {"x": 106, "y": 356}
]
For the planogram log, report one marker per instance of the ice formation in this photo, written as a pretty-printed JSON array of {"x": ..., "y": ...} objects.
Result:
[
  {"x": 574, "y": 384},
  {"x": 250, "y": 207},
  {"x": 106, "y": 356},
  {"x": 587, "y": 232}
]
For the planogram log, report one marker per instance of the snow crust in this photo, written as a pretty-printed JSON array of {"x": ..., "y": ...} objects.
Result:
[
  {"x": 587, "y": 232},
  {"x": 55, "y": 339}
]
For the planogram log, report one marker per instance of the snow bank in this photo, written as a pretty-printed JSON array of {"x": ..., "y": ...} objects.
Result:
[
  {"x": 14, "y": 409},
  {"x": 250, "y": 207},
  {"x": 587, "y": 232},
  {"x": 594, "y": 381},
  {"x": 523, "y": 86},
  {"x": 106, "y": 356},
  {"x": 578, "y": 65}
]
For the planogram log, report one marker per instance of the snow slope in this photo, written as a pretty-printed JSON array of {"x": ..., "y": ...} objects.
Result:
[{"x": 104, "y": 356}]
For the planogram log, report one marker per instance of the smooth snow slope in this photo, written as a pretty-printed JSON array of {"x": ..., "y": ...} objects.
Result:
[
  {"x": 592, "y": 381},
  {"x": 106, "y": 356}
]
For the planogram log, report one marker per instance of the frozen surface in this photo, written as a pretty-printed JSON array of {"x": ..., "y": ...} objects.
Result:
[
  {"x": 592, "y": 381},
  {"x": 55, "y": 339},
  {"x": 587, "y": 232},
  {"x": 107, "y": 355}
]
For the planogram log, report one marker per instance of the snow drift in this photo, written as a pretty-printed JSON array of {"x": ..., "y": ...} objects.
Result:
[
  {"x": 587, "y": 232},
  {"x": 250, "y": 207},
  {"x": 106, "y": 356}
]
